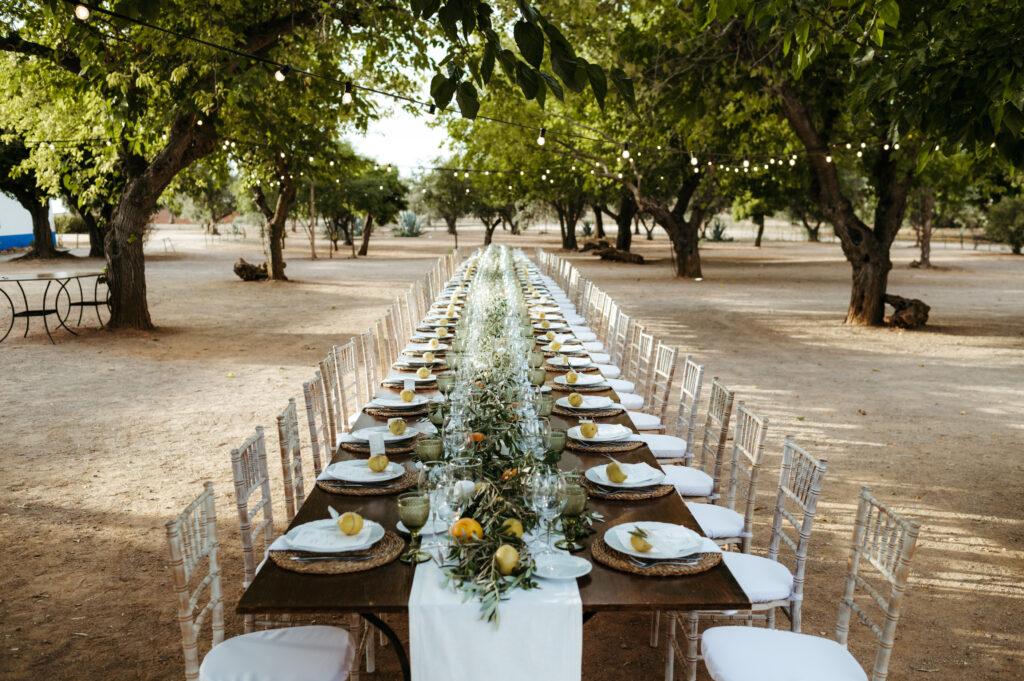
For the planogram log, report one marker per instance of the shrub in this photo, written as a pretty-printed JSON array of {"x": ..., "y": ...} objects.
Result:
[
  {"x": 1006, "y": 223},
  {"x": 409, "y": 225},
  {"x": 70, "y": 224},
  {"x": 587, "y": 229}
]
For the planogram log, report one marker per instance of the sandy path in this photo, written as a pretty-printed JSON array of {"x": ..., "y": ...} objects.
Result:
[{"x": 108, "y": 436}]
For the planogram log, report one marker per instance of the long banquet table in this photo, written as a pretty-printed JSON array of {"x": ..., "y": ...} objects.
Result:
[{"x": 386, "y": 589}]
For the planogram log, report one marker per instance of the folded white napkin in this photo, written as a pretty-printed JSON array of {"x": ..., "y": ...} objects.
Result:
[
  {"x": 358, "y": 471},
  {"x": 635, "y": 472},
  {"x": 667, "y": 540},
  {"x": 322, "y": 536}
]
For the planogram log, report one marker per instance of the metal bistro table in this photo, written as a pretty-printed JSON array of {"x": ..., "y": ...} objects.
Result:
[
  {"x": 52, "y": 306},
  {"x": 386, "y": 589}
]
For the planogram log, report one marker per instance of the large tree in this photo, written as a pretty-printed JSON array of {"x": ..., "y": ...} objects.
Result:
[{"x": 21, "y": 184}]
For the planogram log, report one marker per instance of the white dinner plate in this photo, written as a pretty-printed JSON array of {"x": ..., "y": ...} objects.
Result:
[
  {"x": 552, "y": 326},
  {"x": 574, "y": 362},
  {"x": 356, "y": 470},
  {"x": 606, "y": 432},
  {"x": 567, "y": 349},
  {"x": 637, "y": 475},
  {"x": 420, "y": 348},
  {"x": 581, "y": 379},
  {"x": 324, "y": 536},
  {"x": 547, "y": 309},
  {"x": 670, "y": 541},
  {"x": 418, "y": 362},
  {"x": 363, "y": 434},
  {"x": 560, "y": 566},
  {"x": 397, "y": 402},
  {"x": 589, "y": 402},
  {"x": 433, "y": 526}
]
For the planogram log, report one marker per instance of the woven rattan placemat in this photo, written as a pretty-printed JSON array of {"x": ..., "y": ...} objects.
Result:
[
  {"x": 385, "y": 413},
  {"x": 349, "y": 489},
  {"x": 587, "y": 413},
  {"x": 566, "y": 369},
  {"x": 359, "y": 448},
  {"x": 580, "y": 388},
  {"x": 384, "y": 551},
  {"x": 638, "y": 495},
  {"x": 604, "y": 447},
  {"x": 606, "y": 555},
  {"x": 425, "y": 386}
]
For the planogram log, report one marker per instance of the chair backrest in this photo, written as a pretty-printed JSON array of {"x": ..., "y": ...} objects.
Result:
[
  {"x": 316, "y": 415},
  {"x": 716, "y": 430},
  {"x": 383, "y": 347},
  {"x": 595, "y": 309},
  {"x": 606, "y": 322},
  {"x": 192, "y": 538},
  {"x": 291, "y": 458},
  {"x": 885, "y": 541},
  {"x": 414, "y": 305},
  {"x": 582, "y": 298},
  {"x": 747, "y": 455},
  {"x": 346, "y": 365},
  {"x": 644, "y": 364},
  {"x": 370, "y": 375},
  {"x": 401, "y": 324},
  {"x": 621, "y": 347},
  {"x": 332, "y": 396},
  {"x": 660, "y": 379},
  {"x": 689, "y": 402},
  {"x": 632, "y": 363},
  {"x": 800, "y": 480},
  {"x": 249, "y": 469}
]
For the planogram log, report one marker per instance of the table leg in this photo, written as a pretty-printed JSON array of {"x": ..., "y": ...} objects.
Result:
[
  {"x": 63, "y": 289},
  {"x": 11, "y": 326},
  {"x": 24, "y": 299},
  {"x": 46, "y": 324},
  {"x": 403, "y": 659}
]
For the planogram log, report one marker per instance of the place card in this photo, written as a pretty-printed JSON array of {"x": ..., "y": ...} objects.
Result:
[
  {"x": 410, "y": 384},
  {"x": 376, "y": 443}
]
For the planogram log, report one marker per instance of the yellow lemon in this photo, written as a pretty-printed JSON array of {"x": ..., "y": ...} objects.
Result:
[
  {"x": 442, "y": 331},
  {"x": 615, "y": 472},
  {"x": 556, "y": 346},
  {"x": 542, "y": 315},
  {"x": 512, "y": 527},
  {"x": 350, "y": 523},
  {"x": 407, "y": 395},
  {"x": 434, "y": 343},
  {"x": 575, "y": 399},
  {"x": 377, "y": 464},
  {"x": 397, "y": 426},
  {"x": 588, "y": 429},
  {"x": 572, "y": 377},
  {"x": 423, "y": 372},
  {"x": 638, "y": 538},
  {"x": 507, "y": 559},
  {"x": 545, "y": 325},
  {"x": 428, "y": 357},
  {"x": 450, "y": 311},
  {"x": 549, "y": 335}
]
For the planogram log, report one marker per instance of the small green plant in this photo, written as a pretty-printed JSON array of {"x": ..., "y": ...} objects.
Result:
[
  {"x": 718, "y": 231},
  {"x": 409, "y": 225},
  {"x": 357, "y": 226},
  {"x": 587, "y": 229}
]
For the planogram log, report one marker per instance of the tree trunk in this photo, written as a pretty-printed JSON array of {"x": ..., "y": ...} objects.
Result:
[
  {"x": 312, "y": 223},
  {"x": 685, "y": 251},
  {"x": 277, "y": 218},
  {"x": 346, "y": 230},
  {"x": 367, "y": 229},
  {"x": 598, "y": 222},
  {"x": 759, "y": 221},
  {"x": 812, "y": 232},
  {"x": 867, "y": 295},
  {"x": 42, "y": 235},
  {"x": 489, "y": 228},
  {"x": 126, "y": 267},
  {"x": 926, "y": 231},
  {"x": 450, "y": 221},
  {"x": 623, "y": 221}
]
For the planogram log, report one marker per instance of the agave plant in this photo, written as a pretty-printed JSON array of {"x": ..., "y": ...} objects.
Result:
[{"x": 409, "y": 224}]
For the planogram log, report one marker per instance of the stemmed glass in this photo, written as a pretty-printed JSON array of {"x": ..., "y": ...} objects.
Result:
[
  {"x": 575, "y": 504},
  {"x": 458, "y": 439},
  {"x": 445, "y": 383},
  {"x": 414, "y": 511},
  {"x": 546, "y": 491},
  {"x": 432, "y": 479}
]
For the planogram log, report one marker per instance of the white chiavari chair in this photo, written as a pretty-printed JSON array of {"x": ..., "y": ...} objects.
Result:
[
  {"x": 704, "y": 481},
  {"x": 768, "y": 582},
  {"x": 316, "y": 653},
  {"x": 346, "y": 363},
  {"x": 383, "y": 348},
  {"x": 393, "y": 347},
  {"x": 723, "y": 523},
  {"x": 320, "y": 436},
  {"x": 679, "y": 446},
  {"x": 660, "y": 379},
  {"x": 603, "y": 360},
  {"x": 881, "y": 540},
  {"x": 249, "y": 470},
  {"x": 291, "y": 458},
  {"x": 369, "y": 361},
  {"x": 332, "y": 396},
  {"x": 628, "y": 384}
]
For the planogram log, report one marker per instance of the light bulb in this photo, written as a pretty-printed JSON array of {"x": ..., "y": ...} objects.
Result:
[
  {"x": 859, "y": 153},
  {"x": 199, "y": 122},
  {"x": 746, "y": 163},
  {"x": 863, "y": 145},
  {"x": 886, "y": 146},
  {"x": 347, "y": 97},
  {"x": 693, "y": 160},
  {"x": 792, "y": 161},
  {"x": 282, "y": 73},
  {"x": 625, "y": 150},
  {"x": 467, "y": 190},
  {"x": 82, "y": 12},
  {"x": 896, "y": 146},
  {"x": 936, "y": 147},
  {"x": 828, "y": 159},
  {"x": 466, "y": 175},
  {"x": 432, "y": 110},
  {"x": 310, "y": 159},
  {"x": 848, "y": 146},
  {"x": 540, "y": 138}
]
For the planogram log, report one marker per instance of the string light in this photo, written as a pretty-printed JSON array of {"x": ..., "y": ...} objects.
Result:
[
  {"x": 432, "y": 110},
  {"x": 347, "y": 97},
  {"x": 885, "y": 146},
  {"x": 693, "y": 160},
  {"x": 860, "y": 153},
  {"x": 792, "y": 161},
  {"x": 282, "y": 73},
  {"x": 625, "y": 150},
  {"x": 540, "y": 139},
  {"x": 82, "y": 12},
  {"x": 746, "y": 163},
  {"x": 896, "y": 146},
  {"x": 828, "y": 159}
]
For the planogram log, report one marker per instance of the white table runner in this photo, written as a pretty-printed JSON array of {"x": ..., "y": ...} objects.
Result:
[{"x": 540, "y": 637}]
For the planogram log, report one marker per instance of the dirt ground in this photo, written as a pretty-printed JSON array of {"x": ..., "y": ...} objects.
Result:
[{"x": 106, "y": 436}]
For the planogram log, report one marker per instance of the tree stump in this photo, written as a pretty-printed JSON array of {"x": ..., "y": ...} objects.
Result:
[
  {"x": 908, "y": 313},
  {"x": 616, "y": 255},
  {"x": 595, "y": 245},
  {"x": 247, "y": 271}
]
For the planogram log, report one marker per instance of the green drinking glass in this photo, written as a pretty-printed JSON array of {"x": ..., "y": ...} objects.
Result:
[
  {"x": 575, "y": 504},
  {"x": 458, "y": 345},
  {"x": 536, "y": 359},
  {"x": 445, "y": 383},
  {"x": 413, "y": 511},
  {"x": 556, "y": 440},
  {"x": 544, "y": 404},
  {"x": 538, "y": 376},
  {"x": 429, "y": 448}
]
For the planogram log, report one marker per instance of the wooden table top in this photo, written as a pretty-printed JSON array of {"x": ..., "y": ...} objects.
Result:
[{"x": 386, "y": 589}]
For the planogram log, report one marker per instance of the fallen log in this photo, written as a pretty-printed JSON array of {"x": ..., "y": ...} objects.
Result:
[
  {"x": 616, "y": 255},
  {"x": 595, "y": 245},
  {"x": 908, "y": 313},
  {"x": 247, "y": 271}
]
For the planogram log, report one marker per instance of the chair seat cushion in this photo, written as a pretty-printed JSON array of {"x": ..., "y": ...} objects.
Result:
[
  {"x": 620, "y": 385},
  {"x": 608, "y": 370},
  {"x": 763, "y": 580},
  {"x": 599, "y": 357},
  {"x": 592, "y": 346},
  {"x": 718, "y": 522},
  {"x": 754, "y": 654},
  {"x": 314, "y": 653},
  {"x": 689, "y": 482},
  {"x": 630, "y": 400},
  {"x": 665, "y": 446},
  {"x": 645, "y": 421}
]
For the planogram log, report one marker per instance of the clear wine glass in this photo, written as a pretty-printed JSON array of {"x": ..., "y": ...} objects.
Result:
[{"x": 547, "y": 497}]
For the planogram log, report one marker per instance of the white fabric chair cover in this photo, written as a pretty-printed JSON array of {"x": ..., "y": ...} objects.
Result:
[
  {"x": 754, "y": 654},
  {"x": 645, "y": 421},
  {"x": 665, "y": 446},
  {"x": 717, "y": 521},
  {"x": 314, "y": 653},
  {"x": 763, "y": 580},
  {"x": 620, "y": 385},
  {"x": 689, "y": 482},
  {"x": 592, "y": 346},
  {"x": 600, "y": 358},
  {"x": 608, "y": 370},
  {"x": 630, "y": 400}
]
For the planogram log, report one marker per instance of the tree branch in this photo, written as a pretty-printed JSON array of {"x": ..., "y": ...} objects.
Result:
[{"x": 12, "y": 42}]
